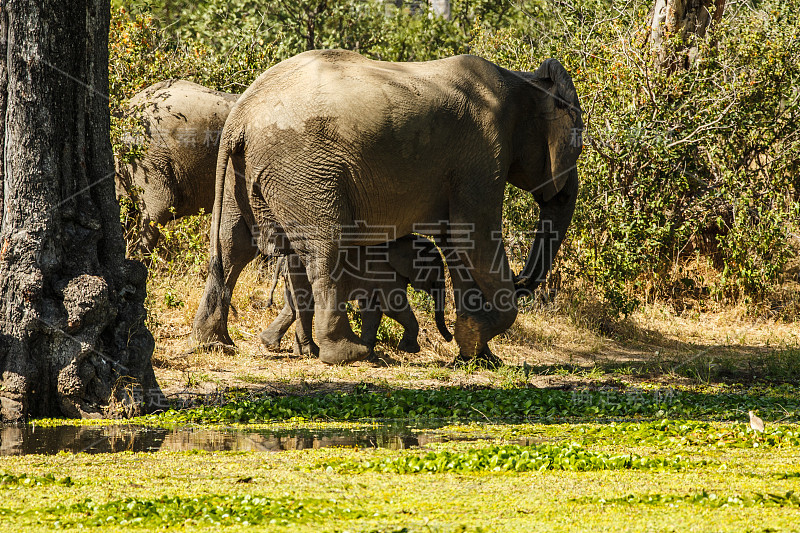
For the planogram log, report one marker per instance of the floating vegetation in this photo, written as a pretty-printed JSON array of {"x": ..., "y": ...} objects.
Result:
[
  {"x": 707, "y": 499},
  {"x": 24, "y": 480},
  {"x": 505, "y": 404},
  {"x": 513, "y": 458},
  {"x": 690, "y": 433},
  {"x": 216, "y": 510}
]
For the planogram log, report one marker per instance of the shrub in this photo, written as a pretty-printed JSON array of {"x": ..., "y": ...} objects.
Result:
[
  {"x": 689, "y": 183},
  {"x": 678, "y": 167}
]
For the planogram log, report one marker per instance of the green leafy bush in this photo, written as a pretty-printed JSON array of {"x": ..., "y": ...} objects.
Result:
[
  {"x": 141, "y": 54},
  {"x": 387, "y": 30},
  {"x": 679, "y": 168},
  {"x": 689, "y": 177}
]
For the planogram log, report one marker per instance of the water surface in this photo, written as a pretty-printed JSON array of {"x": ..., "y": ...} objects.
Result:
[{"x": 32, "y": 439}]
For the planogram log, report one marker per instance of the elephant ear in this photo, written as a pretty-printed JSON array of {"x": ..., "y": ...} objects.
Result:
[
  {"x": 564, "y": 130},
  {"x": 564, "y": 93}
]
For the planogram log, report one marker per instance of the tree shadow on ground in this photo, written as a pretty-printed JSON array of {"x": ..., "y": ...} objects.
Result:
[{"x": 646, "y": 353}]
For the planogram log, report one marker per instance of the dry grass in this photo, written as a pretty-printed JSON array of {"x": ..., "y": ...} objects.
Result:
[{"x": 568, "y": 340}]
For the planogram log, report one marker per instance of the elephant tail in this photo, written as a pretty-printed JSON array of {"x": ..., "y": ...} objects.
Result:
[
  {"x": 223, "y": 156},
  {"x": 441, "y": 325}
]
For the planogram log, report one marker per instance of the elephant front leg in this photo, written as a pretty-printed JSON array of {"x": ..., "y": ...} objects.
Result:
[
  {"x": 298, "y": 303},
  {"x": 484, "y": 295},
  {"x": 398, "y": 309},
  {"x": 371, "y": 316},
  {"x": 271, "y": 337},
  {"x": 302, "y": 299}
]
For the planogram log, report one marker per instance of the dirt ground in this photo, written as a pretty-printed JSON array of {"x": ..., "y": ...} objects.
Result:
[{"x": 550, "y": 345}]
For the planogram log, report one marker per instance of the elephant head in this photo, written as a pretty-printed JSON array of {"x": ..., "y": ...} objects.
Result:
[{"x": 546, "y": 165}]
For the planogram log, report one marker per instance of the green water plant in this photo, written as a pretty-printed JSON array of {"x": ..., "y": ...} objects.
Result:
[
  {"x": 8, "y": 480},
  {"x": 547, "y": 405},
  {"x": 690, "y": 433},
  {"x": 208, "y": 510},
  {"x": 514, "y": 458},
  {"x": 703, "y": 498}
]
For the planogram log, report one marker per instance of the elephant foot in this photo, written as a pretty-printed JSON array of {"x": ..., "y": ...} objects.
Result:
[
  {"x": 343, "y": 352},
  {"x": 409, "y": 345},
  {"x": 271, "y": 338},
  {"x": 469, "y": 336},
  {"x": 306, "y": 350},
  {"x": 211, "y": 332},
  {"x": 483, "y": 359},
  {"x": 213, "y": 338}
]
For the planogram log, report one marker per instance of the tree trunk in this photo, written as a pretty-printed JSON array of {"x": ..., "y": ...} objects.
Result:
[
  {"x": 441, "y": 8},
  {"x": 72, "y": 335},
  {"x": 682, "y": 19}
]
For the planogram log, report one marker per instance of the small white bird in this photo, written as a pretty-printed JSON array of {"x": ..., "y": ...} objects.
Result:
[{"x": 756, "y": 424}]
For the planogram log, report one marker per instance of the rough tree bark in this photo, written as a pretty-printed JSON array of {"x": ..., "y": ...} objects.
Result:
[
  {"x": 441, "y": 8},
  {"x": 72, "y": 334},
  {"x": 684, "y": 19}
]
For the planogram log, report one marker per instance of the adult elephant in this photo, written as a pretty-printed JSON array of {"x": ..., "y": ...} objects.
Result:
[
  {"x": 182, "y": 123},
  {"x": 330, "y": 146}
]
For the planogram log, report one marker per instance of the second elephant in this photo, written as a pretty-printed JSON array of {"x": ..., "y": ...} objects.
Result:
[
  {"x": 376, "y": 276},
  {"x": 182, "y": 122}
]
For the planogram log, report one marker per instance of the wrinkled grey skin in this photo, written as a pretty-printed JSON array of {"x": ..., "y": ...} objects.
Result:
[
  {"x": 329, "y": 138},
  {"x": 183, "y": 122},
  {"x": 377, "y": 277}
]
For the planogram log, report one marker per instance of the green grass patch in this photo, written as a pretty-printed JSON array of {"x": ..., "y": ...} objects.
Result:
[{"x": 513, "y": 458}]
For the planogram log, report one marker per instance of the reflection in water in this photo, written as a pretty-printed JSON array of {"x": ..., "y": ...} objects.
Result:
[{"x": 29, "y": 439}]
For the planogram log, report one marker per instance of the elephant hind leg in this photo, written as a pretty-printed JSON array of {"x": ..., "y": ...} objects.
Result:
[{"x": 338, "y": 345}]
